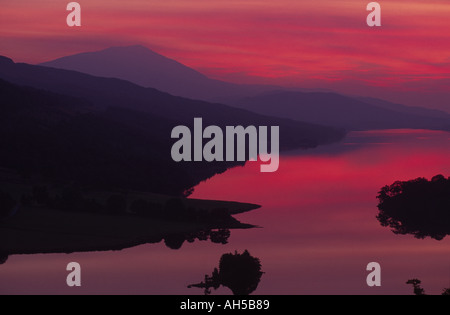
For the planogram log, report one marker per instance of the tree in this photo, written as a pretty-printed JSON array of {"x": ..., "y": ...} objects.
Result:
[
  {"x": 7, "y": 204},
  {"x": 116, "y": 204},
  {"x": 148, "y": 209},
  {"x": 418, "y": 207},
  {"x": 41, "y": 195},
  {"x": 220, "y": 237},
  {"x": 175, "y": 209},
  {"x": 71, "y": 198},
  {"x": 418, "y": 290},
  {"x": 139, "y": 206},
  {"x": 416, "y": 283},
  {"x": 188, "y": 192},
  {"x": 239, "y": 272},
  {"x": 3, "y": 258},
  {"x": 92, "y": 206},
  {"x": 175, "y": 241}
]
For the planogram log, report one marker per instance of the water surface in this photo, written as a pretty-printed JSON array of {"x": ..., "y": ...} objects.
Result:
[{"x": 318, "y": 229}]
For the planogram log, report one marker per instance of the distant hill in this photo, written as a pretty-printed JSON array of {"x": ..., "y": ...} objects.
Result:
[
  {"x": 110, "y": 133},
  {"x": 420, "y": 111},
  {"x": 104, "y": 93},
  {"x": 146, "y": 68},
  {"x": 54, "y": 137},
  {"x": 343, "y": 111}
]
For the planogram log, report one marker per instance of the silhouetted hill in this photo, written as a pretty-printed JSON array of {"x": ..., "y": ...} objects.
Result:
[
  {"x": 112, "y": 133},
  {"x": 342, "y": 111},
  {"x": 51, "y": 136},
  {"x": 420, "y": 111},
  {"x": 146, "y": 68},
  {"x": 105, "y": 93}
]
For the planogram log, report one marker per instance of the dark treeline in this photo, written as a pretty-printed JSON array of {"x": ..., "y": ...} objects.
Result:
[
  {"x": 176, "y": 241},
  {"x": 74, "y": 199},
  {"x": 419, "y": 207},
  {"x": 57, "y": 137},
  {"x": 418, "y": 290},
  {"x": 206, "y": 224},
  {"x": 7, "y": 204}
]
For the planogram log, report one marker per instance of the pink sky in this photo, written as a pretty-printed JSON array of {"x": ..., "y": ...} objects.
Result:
[{"x": 311, "y": 44}]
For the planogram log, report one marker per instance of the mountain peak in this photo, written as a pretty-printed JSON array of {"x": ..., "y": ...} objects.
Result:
[
  {"x": 142, "y": 66},
  {"x": 137, "y": 64},
  {"x": 132, "y": 48},
  {"x": 6, "y": 60}
]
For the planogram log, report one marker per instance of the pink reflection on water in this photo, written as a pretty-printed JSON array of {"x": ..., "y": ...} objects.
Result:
[
  {"x": 320, "y": 211},
  {"x": 318, "y": 229}
]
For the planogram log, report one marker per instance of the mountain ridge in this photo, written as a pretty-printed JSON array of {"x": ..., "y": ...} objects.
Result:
[
  {"x": 147, "y": 68},
  {"x": 337, "y": 110},
  {"x": 109, "y": 132}
]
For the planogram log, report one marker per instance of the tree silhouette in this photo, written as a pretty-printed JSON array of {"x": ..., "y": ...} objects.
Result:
[
  {"x": 3, "y": 259},
  {"x": 220, "y": 237},
  {"x": 174, "y": 241},
  {"x": 416, "y": 283},
  {"x": 175, "y": 209},
  {"x": 92, "y": 206},
  {"x": 418, "y": 290},
  {"x": 239, "y": 272},
  {"x": 139, "y": 206},
  {"x": 7, "y": 204},
  {"x": 148, "y": 209},
  {"x": 41, "y": 195},
  {"x": 116, "y": 204},
  {"x": 71, "y": 198},
  {"x": 418, "y": 207}
]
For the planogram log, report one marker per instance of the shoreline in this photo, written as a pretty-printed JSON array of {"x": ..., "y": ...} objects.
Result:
[{"x": 44, "y": 231}]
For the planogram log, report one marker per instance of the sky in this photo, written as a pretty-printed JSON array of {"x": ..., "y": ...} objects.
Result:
[{"x": 322, "y": 44}]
